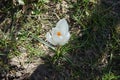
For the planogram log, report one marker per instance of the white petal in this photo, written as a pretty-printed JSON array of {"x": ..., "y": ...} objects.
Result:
[
  {"x": 21, "y": 2},
  {"x": 62, "y": 25},
  {"x": 54, "y": 31},
  {"x": 57, "y": 39},
  {"x": 67, "y": 36},
  {"x": 65, "y": 39},
  {"x": 49, "y": 39}
]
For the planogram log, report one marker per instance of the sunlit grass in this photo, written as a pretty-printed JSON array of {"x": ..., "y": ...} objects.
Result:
[{"x": 92, "y": 52}]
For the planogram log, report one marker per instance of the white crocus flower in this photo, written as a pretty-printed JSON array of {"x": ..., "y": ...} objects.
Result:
[
  {"x": 60, "y": 34},
  {"x": 21, "y": 2}
]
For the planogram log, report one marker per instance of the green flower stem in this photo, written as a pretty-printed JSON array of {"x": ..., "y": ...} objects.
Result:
[
  {"x": 58, "y": 52},
  {"x": 57, "y": 55}
]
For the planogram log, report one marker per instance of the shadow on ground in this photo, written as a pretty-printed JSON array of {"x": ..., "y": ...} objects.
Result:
[{"x": 90, "y": 54}]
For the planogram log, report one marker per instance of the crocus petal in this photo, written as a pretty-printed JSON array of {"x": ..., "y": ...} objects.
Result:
[
  {"x": 49, "y": 38},
  {"x": 62, "y": 26},
  {"x": 54, "y": 31},
  {"x": 21, "y": 2},
  {"x": 57, "y": 39},
  {"x": 65, "y": 39},
  {"x": 67, "y": 36},
  {"x": 60, "y": 34}
]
